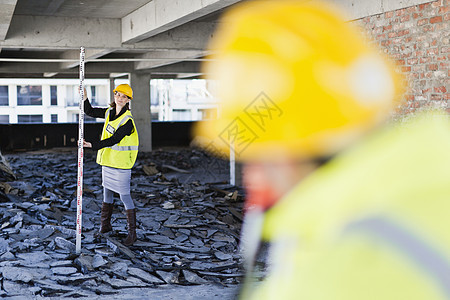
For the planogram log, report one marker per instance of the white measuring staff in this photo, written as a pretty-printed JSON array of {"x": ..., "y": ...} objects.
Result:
[
  {"x": 80, "y": 155},
  {"x": 232, "y": 164}
]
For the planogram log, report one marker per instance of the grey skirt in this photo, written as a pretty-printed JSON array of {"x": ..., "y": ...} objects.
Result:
[{"x": 116, "y": 180}]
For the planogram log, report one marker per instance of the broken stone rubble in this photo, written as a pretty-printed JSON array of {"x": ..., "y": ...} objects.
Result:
[{"x": 194, "y": 240}]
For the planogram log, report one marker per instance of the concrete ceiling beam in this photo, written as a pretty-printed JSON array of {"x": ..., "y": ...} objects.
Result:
[
  {"x": 356, "y": 9},
  {"x": 55, "y": 67},
  {"x": 89, "y": 54},
  {"x": 6, "y": 12},
  {"x": 49, "y": 75},
  {"x": 53, "y": 7},
  {"x": 186, "y": 67},
  {"x": 29, "y": 68},
  {"x": 110, "y": 67},
  {"x": 161, "y": 15},
  {"x": 49, "y": 34},
  {"x": 167, "y": 57},
  {"x": 190, "y": 36},
  {"x": 44, "y": 32}
]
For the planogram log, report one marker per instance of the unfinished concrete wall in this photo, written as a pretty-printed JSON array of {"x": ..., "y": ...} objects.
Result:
[
  {"x": 417, "y": 37},
  {"x": 21, "y": 137}
]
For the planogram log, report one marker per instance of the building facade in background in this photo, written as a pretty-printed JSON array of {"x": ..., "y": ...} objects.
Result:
[
  {"x": 57, "y": 100},
  {"x": 183, "y": 100},
  {"x": 47, "y": 100}
]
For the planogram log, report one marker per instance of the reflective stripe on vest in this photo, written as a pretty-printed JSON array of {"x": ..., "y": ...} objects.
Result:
[
  {"x": 126, "y": 118},
  {"x": 124, "y": 148},
  {"x": 421, "y": 253},
  {"x": 123, "y": 121},
  {"x": 122, "y": 155}
]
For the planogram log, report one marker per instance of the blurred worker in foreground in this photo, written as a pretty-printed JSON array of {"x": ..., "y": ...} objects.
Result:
[{"x": 354, "y": 210}]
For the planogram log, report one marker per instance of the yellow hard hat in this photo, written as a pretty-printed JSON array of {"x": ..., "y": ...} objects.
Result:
[
  {"x": 124, "y": 89},
  {"x": 294, "y": 80}
]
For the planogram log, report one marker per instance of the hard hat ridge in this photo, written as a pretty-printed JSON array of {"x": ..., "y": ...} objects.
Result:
[{"x": 124, "y": 89}]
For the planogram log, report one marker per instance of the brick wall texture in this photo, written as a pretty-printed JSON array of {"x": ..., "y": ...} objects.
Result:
[{"x": 417, "y": 37}]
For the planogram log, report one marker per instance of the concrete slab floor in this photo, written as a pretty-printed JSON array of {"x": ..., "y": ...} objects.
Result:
[{"x": 188, "y": 219}]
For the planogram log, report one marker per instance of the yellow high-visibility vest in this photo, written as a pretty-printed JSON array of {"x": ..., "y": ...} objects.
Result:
[
  {"x": 122, "y": 155},
  {"x": 371, "y": 224}
]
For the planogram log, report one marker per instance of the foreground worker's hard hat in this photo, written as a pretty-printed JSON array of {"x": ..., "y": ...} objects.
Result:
[
  {"x": 124, "y": 89},
  {"x": 294, "y": 80}
]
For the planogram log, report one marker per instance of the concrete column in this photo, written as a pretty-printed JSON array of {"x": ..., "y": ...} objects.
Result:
[
  {"x": 238, "y": 174},
  {"x": 111, "y": 88},
  {"x": 140, "y": 108},
  {"x": 46, "y": 103},
  {"x": 62, "y": 111},
  {"x": 235, "y": 171},
  {"x": 12, "y": 88}
]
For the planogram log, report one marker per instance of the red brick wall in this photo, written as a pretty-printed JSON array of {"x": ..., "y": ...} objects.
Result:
[{"x": 417, "y": 37}]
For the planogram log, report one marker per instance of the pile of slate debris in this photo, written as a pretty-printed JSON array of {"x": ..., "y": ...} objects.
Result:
[{"x": 188, "y": 221}]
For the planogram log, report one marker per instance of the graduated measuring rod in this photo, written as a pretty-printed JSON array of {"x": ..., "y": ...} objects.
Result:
[{"x": 80, "y": 154}]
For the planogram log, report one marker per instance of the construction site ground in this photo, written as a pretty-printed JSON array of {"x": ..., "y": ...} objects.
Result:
[{"x": 188, "y": 218}]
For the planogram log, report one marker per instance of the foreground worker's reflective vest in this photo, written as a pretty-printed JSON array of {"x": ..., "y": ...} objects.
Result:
[
  {"x": 122, "y": 155},
  {"x": 371, "y": 224}
]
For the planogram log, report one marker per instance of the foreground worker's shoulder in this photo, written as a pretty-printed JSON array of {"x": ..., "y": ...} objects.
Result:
[
  {"x": 406, "y": 159},
  {"x": 400, "y": 176},
  {"x": 354, "y": 268}
]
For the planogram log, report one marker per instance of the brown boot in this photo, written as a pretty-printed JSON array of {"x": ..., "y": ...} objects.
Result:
[
  {"x": 131, "y": 220},
  {"x": 107, "y": 209}
]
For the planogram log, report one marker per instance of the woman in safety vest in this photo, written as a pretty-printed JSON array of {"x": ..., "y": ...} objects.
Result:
[{"x": 117, "y": 152}]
